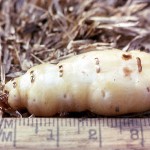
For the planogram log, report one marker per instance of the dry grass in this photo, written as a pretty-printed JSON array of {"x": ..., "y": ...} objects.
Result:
[{"x": 37, "y": 31}]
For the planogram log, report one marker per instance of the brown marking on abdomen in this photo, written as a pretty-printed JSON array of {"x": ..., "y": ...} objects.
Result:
[
  {"x": 139, "y": 64},
  {"x": 127, "y": 71},
  {"x": 14, "y": 84},
  {"x": 97, "y": 62},
  {"x": 32, "y": 78},
  {"x": 61, "y": 70},
  {"x": 126, "y": 56}
]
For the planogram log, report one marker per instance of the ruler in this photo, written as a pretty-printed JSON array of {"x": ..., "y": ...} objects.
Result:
[{"x": 75, "y": 133}]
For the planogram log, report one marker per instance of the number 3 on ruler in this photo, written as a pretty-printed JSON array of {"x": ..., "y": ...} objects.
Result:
[{"x": 134, "y": 134}]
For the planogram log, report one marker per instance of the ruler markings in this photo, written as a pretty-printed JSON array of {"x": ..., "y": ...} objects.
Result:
[
  {"x": 145, "y": 124},
  {"x": 32, "y": 122},
  {"x": 28, "y": 122},
  {"x": 74, "y": 122},
  {"x": 118, "y": 123},
  {"x": 49, "y": 122},
  {"x": 148, "y": 121},
  {"x": 107, "y": 122},
  {"x": 78, "y": 126},
  {"x": 23, "y": 122},
  {"x": 86, "y": 122},
  {"x": 53, "y": 122},
  {"x": 62, "y": 122},
  {"x": 103, "y": 122},
  {"x": 36, "y": 126},
  {"x": 1, "y": 122},
  {"x": 45, "y": 122},
  {"x": 123, "y": 123},
  {"x": 135, "y": 126},
  {"x": 41, "y": 120},
  {"x": 19, "y": 122},
  {"x": 130, "y": 122},
  {"x": 113, "y": 125},
  {"x": 110, "y": 122},
  {"x": 82, "y": 121},
  {"x": 70, "y": 122},
  {"x": 66, "y": 122},
  {"x": 91, "y": 122},
  {"x": 142, "y": 134},
  {"x": 15, "y": 132},
  {"x": 57, "y": 132},
  {"x": 95, "y": 122},
  {"x": 100, "y": 135},
  {"x": 120, "y": 126},
  {"x": 127, "y": 122},
  {"x": 135, "y": 122}
]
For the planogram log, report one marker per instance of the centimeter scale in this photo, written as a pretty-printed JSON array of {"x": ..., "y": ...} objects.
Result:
[{"x": 75, "y": 133}]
